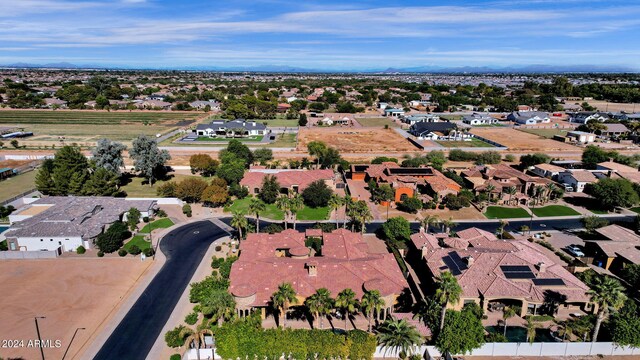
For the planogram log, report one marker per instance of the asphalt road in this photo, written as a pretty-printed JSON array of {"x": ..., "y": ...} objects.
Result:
[{"x": 184, "y": 248}]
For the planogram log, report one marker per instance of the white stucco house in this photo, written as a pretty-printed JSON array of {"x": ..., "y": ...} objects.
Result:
[{"x": 231, "y": 129}]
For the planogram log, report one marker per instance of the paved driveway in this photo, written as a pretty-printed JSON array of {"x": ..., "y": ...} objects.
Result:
[{"x": 184, "y": 248}]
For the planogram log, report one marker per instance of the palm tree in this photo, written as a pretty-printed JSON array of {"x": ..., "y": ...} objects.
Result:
[
  {"x": 551, "y": 188},
  {"x": 609, "y": 295},
  {"x": 282, "y": 299},
  {"x": 531, "y": 329},
  {"x": 218, "y": 305},
  {"x": 538, "y": 192},
  {"x": 448, "y": 291},
  {"x": 197, "y": 338},
  {"x": 239, "y": 221},
  {"x": 284, "y": 205},
  {"x": 428, "y": 221},
  {"x": 371, "y": 304},
  {"x": 566, "y": 329},
  {"x": 489, "y": 189},
  {"x": 399, "y": 336},
  {"x": 295, "y": 204},
  {"x": 512, "y": 191},
  {"x": 347, "y": 303},
  {"x": 335, "y": 202},
  {"x": 348, "y": 204},
  {"x": 447, "y": 225},
  {"x": 256, "y": 206},
  {"x": 320, "y": 304},
  {"x": 507, "y": 313},
  {"x": 503, "y": 224},
  {"x": 364, "y": 215}
]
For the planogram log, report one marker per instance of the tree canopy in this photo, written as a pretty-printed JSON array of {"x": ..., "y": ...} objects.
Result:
[{"x": 147, "y": 158}]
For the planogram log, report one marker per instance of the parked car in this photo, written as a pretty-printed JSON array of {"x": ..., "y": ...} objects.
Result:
[{"x": 575, "y": 251}]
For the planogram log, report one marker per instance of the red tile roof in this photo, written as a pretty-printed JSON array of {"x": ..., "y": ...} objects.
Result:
[{"x": 287, "y": 178}]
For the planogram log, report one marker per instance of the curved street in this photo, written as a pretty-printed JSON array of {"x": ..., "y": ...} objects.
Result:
[{"x": 184, "y": 248}]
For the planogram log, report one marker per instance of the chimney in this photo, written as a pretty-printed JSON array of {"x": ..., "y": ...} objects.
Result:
[
  {"x": 312, "y": 268},
  {"x": 470, "y": 261},
  {"x": 542, "y": 267}
]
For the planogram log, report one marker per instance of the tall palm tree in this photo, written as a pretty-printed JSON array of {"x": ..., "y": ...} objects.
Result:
[
  {"x": 239, "y": 221},
  {"x": 320, "y": 304},
  {"x": 347, "y": 303},
  {"x": 538, "y": 192},
  {"x": 489, "y": 189},
  {"x": 531, "y": 329},
  {"x": 609, "y": 295},
  {"x": 348, "y": 204},
  {"x": 218, "y": 305},
  {"x": 296, "y": 203},
  {"x": 551, "y": 188},
  {"x": 447, "y": 225},
  {"x": 398, "y": 335},
  {"x": 448, "y": 291},
  {"x": 371, "y": 304},
  {"x": 197, "y": 338},
  {"x": 428, "y": 221},
  {"x": 256, "y": 206},
  {"x": 507, "y": 313},
  {"x": 284, "y": 205},
  {"x": 503, "y": 224},
  {"x": 566, "y": 329},
  {"x": 364, "y": 215},
  {"x": 284, "y": 297},
  {"x": 512, "y": 191},
  {"x": 335, "y": 202}
]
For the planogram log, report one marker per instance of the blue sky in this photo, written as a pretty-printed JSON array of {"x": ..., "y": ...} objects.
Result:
[{"x": 330, "y": 34}]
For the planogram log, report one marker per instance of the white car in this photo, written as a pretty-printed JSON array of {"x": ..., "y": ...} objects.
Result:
[{"x": 575, "y": 251}]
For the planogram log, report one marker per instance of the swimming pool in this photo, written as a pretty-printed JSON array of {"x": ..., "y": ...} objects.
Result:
[
  {"x": 519, "y": 334},
  {"x": 3, "y": 228}
]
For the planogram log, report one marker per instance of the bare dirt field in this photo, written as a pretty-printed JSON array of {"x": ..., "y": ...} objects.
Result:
[
  {"x": 70, "y": 293},
  {"x": 356, "y": 140},
  {"x": 609, "y": 106},
  {"x": 517, "y": 140}
]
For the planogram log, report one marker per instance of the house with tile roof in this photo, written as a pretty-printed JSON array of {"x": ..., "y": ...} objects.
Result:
[
  {"x": 290, "y": 180},
  {"x": 577, "y": 179},
  {"x": 494, "y": 273},
  {"x": 497, "y": 180},
  {"x": 345, "y": 262},
  {"x": 424, "y": 182},
  {"x": 617, "y": 248}
]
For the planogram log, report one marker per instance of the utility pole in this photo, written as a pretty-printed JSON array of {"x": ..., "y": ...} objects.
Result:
[
  {"x": 39, "y": 337},
  {"x": 71, "y": 342}
]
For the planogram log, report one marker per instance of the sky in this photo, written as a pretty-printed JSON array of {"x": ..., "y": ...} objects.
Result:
[{"x": 328, "y": 34}]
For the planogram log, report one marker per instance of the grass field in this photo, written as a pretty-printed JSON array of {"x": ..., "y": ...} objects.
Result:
[
  {"x": 377, "y": 122},
  {"x": 307, "y": 213},
  {"x": 136, "y": 188},
  {"x": 554, "y": 210},
  {"x": 16, "y": 185},
  {"x": 545, "y": 133},
  {"x": 473, "y": 143},
  {"x": 499, "y": 212},
  {"x": 284, "y": 140},
  {"x": 139, "y": 241},
  {"x": 92, "y": 117},
  {"x": 635, "y": 209},
  {"x": 271, "y": 211},
  {"x": 158, "y": 224}
]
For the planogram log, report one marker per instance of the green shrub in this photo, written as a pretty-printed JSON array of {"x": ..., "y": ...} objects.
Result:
[
  {"x": 496, "y": 337},
  {"x": 218, "y": 248},
  {"x": 410, "y": 205},
  {"x": 186, "y": 209},
  {"x": 175, "y": 357},
  {"x": 191, "y": 318},
  {"x": 215, "y": 261},
  {"x": 148, "y": 252},
  {"x": 175, "y": 338},
  {"x": 134, "y": 250},
  {"x": 145, "y": 219},
  {"x": 100, "y": 254},
  {"x": 81, "y": 250},
  {"x": 122, "y": 252},
  {"x": 161, "y": 213}
]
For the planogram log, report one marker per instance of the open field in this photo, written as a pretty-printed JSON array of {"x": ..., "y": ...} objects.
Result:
[
  {"x": 554, "y": 210},
  {"x": 609, "y": 106},
  {"x": 69, "y": 292},
  {"x": 94, "y": 117},
  {"x": 377, "y": 122},
  {"x": 458, "y": 144},
  {"x": 16, "y": 185},
  {"x": 518, "y": 140},
  {"x": 356, "y": 139}
]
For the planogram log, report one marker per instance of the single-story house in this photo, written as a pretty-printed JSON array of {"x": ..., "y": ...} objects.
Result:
[
  {"x": 547, "y": 170},
  {"x": 614, "y": 130},
  {"x": 618, "y": 248},
  {"x": 416, "y": 118},
  {"x": 529, "y": 117},
  {"x": 393, "y": 112},
  {"x": 431, "y": 130},
  {"x": 53, "y": 102},
  {"x": 581, "y": 136},
  {"x": 238, "y": 128},
  {"x": 577, "y": 179},
  {"x": 479, "y": 119},
  {"x": 213, "y": 105},
  {"x": 584, "y": 117},
  {"x": 154, "y": 104}
]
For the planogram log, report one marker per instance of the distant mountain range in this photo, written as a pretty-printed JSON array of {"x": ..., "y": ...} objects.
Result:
[{"x": 527, "y": 69}]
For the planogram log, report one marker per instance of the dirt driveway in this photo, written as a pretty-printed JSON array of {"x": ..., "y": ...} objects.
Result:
[{"x": 70, "y": 292}]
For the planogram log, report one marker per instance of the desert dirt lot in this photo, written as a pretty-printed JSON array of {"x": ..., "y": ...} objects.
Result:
[
  {"x": 70, "y": 293},
  {"x": 356, "y": 140},
  {"x": 609, "y": 106},
  {"x": 517, "y": 140}
]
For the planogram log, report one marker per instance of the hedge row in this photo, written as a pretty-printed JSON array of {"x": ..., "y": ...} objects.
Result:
[{"x": 246, "y": 339}]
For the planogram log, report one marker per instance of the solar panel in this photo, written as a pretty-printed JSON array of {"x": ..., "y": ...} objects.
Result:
[
  {"x": 462, "y": 265},
  {"x": 408, "y": 171},
  {"x": 548, "y": 282},
  {"x": 515, "y": 268},
  {"x": 451, "y": 264},
  {"x": 519, "y": 275},
  {"x": 360, "y": 167}
]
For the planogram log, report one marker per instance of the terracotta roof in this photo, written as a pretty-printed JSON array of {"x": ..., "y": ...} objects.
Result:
[{"x": 301, "y": 178}]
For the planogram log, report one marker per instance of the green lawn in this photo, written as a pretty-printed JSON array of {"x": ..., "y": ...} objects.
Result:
[
  {"x": 600, "y": 212},
  {"x": 473, "y": 143},
  {"x": 136, "y": 188},
  {"x": 377, "y": 122},
  {"x": 271, "y": 211},
  {"x": 499, "y": 212},
  {"x": 247, "y": 139},
  {"x": 546, "y": 133},
  {"x": 284, "y": 140},
  {"x": 635, "y": 209},
  {"x": 139, "y": 241},
  {"x": 554, "y": 210},
  {"x": 16, "y": 185},
  {"x": 158, "y": 224},
  {"x": 307, "y": 213},
  {"x": 32, "y": 117}
]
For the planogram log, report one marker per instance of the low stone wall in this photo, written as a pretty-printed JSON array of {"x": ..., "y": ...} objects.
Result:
[{"x": 27, "y": 255}]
